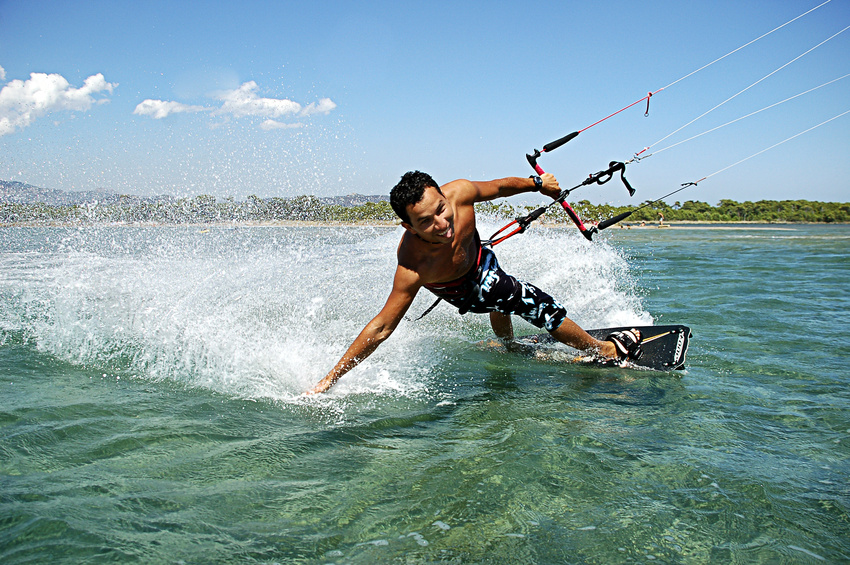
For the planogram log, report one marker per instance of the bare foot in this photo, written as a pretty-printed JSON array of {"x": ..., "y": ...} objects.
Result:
[{"x": 608, "y": 350}]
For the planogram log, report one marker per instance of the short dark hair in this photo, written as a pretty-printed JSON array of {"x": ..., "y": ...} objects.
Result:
[{"x": 409, "y": 191}]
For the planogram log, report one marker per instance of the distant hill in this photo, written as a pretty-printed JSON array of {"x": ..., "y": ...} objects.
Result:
[
  {"x": 13, "y": 192},
  {"x": 23, "y": 204}
]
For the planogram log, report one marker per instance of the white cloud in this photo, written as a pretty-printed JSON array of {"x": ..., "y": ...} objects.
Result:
[
  {"x": 244, "y": 102},
  {"x": 21, "y": 102},
  {"x": 324, "y": 106},
  {"x": 158, "y": 109},
  {"x": 2, "y": 73},
  {"x": 269, "y": 125}
]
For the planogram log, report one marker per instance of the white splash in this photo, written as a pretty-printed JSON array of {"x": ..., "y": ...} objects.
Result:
[{"x": 266, "y": 312}]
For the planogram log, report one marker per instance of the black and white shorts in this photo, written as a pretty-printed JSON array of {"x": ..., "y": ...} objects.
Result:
[{"x": 495, "y": 290}]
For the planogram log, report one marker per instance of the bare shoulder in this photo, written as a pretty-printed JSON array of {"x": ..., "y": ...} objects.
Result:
[
  {"x": 406, "y": 281},
  {"x": 461, "y": 191},
  {"x": 408, "y": 261}
]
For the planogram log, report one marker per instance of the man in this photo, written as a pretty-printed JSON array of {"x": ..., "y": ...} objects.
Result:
[{"x": 441, "y": 251}]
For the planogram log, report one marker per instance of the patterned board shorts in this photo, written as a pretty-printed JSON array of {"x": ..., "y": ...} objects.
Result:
[{"x": 495, "y": 290}]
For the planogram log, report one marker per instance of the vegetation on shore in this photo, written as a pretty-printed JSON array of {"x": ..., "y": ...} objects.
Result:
[
  {"x": 207, "y": 209},
  {"x": 727, "y": 211}
]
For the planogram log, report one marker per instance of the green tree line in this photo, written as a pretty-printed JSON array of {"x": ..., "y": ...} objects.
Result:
[
  {"x": 727, "y": 211},
  {"x": 206, "y": 209}
]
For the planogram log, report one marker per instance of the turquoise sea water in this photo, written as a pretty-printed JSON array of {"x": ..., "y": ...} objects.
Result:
[{"x": 150, "y": 382}]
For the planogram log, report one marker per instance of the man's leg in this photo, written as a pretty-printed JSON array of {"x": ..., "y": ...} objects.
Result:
[
  {"x": 535, "y": 306},
  {"x": 571, "y": 334},
  {"x": 502, "y": 325}
]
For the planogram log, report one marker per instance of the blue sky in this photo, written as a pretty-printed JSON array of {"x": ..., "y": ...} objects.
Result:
[{"x": 330, "y": 98}]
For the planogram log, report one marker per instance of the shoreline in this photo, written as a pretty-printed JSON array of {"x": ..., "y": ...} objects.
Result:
[{"x": 707, "y": 225}]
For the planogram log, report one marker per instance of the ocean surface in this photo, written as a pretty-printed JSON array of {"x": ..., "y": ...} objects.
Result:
[{"x": 151, "y": 410}]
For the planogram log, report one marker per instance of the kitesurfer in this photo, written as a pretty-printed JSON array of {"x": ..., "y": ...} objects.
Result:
[{"x": 442, "y": 251}]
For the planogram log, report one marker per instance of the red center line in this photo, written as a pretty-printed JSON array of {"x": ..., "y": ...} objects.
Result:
[{"x": 622, "y": 109}]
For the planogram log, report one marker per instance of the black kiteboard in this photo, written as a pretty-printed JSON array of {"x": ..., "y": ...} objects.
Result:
[{"x": 664, "y": 347}]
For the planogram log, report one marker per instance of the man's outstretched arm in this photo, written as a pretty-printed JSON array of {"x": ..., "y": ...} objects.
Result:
[
  {"x": 405, "y": 287},
  {"x": 481, "y": 191}
]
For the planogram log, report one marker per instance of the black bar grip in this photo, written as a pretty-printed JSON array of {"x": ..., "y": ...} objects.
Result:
[
  {"x": 526, "y": 220},
  {"x": 559, "y": 142},
  {"x": 611, "y": 221}
]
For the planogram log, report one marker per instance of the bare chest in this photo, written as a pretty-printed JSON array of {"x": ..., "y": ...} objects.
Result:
[{"x": 446, "y": 263}]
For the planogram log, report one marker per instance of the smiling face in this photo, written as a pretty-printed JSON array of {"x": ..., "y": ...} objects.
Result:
[{"x": 432, "y": 218}]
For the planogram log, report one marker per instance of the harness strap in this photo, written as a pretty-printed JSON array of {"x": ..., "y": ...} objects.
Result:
[{"x": 428, "y": 311}]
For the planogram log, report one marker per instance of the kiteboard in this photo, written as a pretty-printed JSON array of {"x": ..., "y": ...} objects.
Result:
[{"x": 664, "y": 348}]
